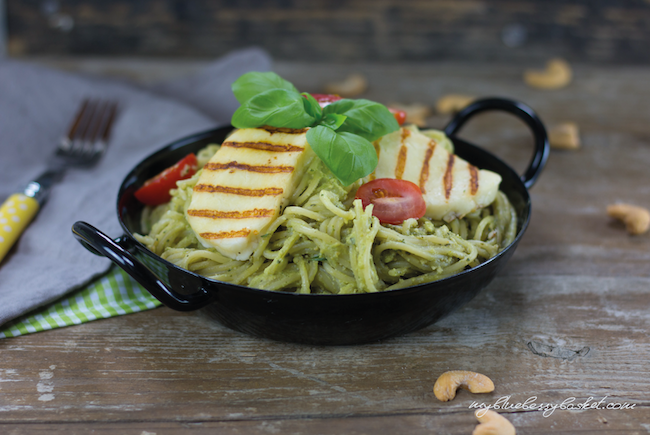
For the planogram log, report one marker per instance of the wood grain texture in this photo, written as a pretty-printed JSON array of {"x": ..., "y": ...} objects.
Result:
[
  {"x": 164, "y": 367},
  {"x": 567, "y": 319},
  {"x": 344, "y": 30}
]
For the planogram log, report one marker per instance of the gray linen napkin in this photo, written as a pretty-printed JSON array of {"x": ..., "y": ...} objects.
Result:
[{"x": 36, "y": 106}]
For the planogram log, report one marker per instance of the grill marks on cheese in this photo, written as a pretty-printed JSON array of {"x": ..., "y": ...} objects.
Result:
[
  {"x": 451, "y": 187},
  {"x": 448, "y": 178},
  {"x": 401, "y": 156},
  {"x": 227, "y": 234},
  {"x": 238, "y": 190},
  {"x": 245, "y": 185},
  {"x": 424, "y": 171},
  {"x": 265, "y": 169},
  {"x": 246, "y": 214},
  {"x": 263, "y": 146},
  {"x": 473, "y": 180}
]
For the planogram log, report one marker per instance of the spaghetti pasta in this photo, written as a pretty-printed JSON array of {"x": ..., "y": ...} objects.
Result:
[{"x": 326, "y": 242}]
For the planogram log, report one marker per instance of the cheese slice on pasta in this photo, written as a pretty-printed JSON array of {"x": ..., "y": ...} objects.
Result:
[
  {"x": 451, "y": 187},
  {"x": 244, "y": 187}
]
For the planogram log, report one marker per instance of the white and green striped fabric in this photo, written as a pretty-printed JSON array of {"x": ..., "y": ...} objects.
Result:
[{"x": 114, "y": 294}]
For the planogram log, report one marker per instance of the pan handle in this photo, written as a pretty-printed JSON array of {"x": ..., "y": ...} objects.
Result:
[
  {"x": 100, "y": 244},
  {"x": 522, "y": 112}
]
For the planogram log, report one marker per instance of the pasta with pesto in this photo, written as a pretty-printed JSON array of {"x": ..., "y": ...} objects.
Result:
[{"x": 324, "y": 241}]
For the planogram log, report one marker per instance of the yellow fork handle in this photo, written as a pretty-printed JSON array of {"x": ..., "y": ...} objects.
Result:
[{"x": 15, "y": 214}]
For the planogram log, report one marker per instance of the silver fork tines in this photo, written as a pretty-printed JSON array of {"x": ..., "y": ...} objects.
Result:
[{"x": 88, "y": 135}]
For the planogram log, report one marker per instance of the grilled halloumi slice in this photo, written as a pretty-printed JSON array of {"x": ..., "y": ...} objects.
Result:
[
  {"x": 245, "y": 185},
  {"x": 451, "y": 187}
]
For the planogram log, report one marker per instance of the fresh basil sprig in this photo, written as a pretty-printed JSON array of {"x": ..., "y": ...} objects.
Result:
[
  {"x": 341, "y": 135},
  {"x": 353, "y": 156},
  {"x": 333, "y": 120},
  {"x": 365, "y": 118},
  {"x": 253, "y": 83},
  {"x": 312, "y": 107},
  {"x": 275, "y": 107}
]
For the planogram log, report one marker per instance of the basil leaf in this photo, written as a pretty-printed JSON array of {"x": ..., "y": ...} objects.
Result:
[
  {"x": 253, "y": 83},
  {"x": 312, "y": 107},
  {"x": 365, "y": 118},
  {"x": 347, "y": 155},
  {"x": 333, "y": 120},
  {"x": 275, "y": 107}
]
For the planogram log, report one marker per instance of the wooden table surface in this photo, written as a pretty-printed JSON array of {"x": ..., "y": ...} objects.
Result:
[{"x": 566, "y": 322}]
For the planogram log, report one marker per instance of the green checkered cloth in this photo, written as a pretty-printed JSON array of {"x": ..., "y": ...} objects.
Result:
[{"x": 114, "y": 294}]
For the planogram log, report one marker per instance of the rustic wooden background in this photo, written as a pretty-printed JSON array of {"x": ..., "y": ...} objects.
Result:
[{"x": 592, "y": 31}]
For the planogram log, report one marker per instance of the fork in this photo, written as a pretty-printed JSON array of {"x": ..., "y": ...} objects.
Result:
[{"x": 82, "y": 146}]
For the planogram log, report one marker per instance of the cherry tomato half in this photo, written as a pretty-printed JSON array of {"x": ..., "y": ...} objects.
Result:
[
  {"x": 325, "y": 99},
  {"x": 399, "y": 115},
  {"x": 393, "y": 200},
  {"x": 155, "y": 191}
]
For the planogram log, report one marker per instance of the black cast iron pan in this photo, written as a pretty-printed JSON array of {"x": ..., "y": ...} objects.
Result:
[{"x": 320, "y": 318}]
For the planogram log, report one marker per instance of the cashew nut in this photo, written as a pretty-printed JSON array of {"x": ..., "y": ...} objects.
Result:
[
  {"x": 556, "y": 75},
  {"x": 452, "y": 103},
  {"x": 415, "y": 113},
  {"x": 636, "y": 219},
  {"x": 353, "y": 85},
  {"x": 447, "y": 384},
  {"x": 564, "y": 136},
  {"x": 492, "y": 423}
]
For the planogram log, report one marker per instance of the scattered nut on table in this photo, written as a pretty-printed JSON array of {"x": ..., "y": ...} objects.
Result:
[
  {"x": 635, "y": 218},
  {"x": 564, "y": 136},
  {"x": 447, "y": 384},
  {"x": 415, "y": 113},
  {"x": 492, "y": 423},
  {"x": 452, "y": 103},
  {"x": 353, "y": 85},
  {"x": 557, "y": 75}
]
